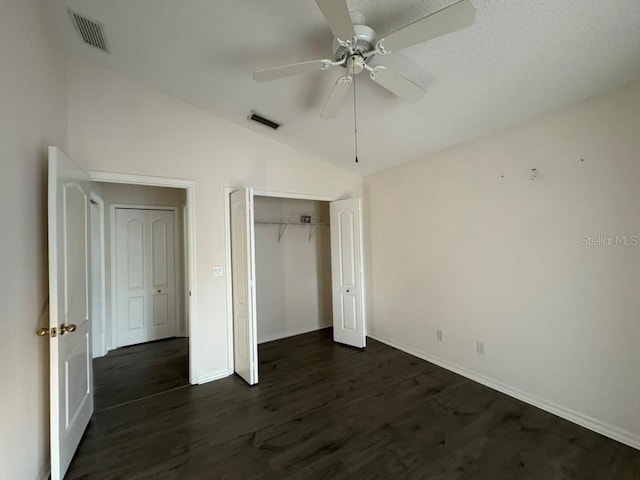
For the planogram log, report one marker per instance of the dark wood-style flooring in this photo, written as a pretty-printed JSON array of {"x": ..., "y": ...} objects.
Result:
[
  {"x": 325, "y": 411},
  {"x": 135, "y": 372}
]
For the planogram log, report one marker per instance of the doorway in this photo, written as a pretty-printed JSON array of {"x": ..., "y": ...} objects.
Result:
[
  {"x": 71, "y": 269},
  {"x": 144, "y": 335}
]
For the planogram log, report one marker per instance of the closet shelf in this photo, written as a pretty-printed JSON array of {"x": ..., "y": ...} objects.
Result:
[
  {"x": 291, "y": 223},
  {"x": 282, "y": 227}
]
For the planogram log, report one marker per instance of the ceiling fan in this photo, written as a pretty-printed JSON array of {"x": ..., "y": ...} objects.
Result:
[{"x": 355, "y": 45}]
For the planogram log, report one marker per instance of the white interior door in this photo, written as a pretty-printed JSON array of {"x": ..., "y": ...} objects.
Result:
[
  {"x": 145, "y": 276},
  {"x": 245, "y": 341},
  {"x": 71, "y": 395},
  {"x": 347, "y": 273}
]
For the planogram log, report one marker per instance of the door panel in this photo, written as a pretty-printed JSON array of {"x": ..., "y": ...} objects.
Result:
[
  {"x": 347, "y": 274},
  {"x": 161, "y": 227},
  {"x": 346, "y": 247},
  {"x": 349, "y": 314},
  {"x": 77, "y": 381},
  {"x": 159, "y": 253},
  {"x": 243, "y": 290},
  {"x": 131, "y": 302},
  {"x": 145, "y": 275},
  {"x": 135, "y": 252},
  {"x": 136, "y": 313},
  {"x": 71, "y": 391},
  {"x": 159, "y": 313}
]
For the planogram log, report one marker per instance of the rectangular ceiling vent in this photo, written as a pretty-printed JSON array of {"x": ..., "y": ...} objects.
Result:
[
  {"x": 90, "y": 31},
  {"x": 264, "y": 121}
]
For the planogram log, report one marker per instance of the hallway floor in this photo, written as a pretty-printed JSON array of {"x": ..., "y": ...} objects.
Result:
[{"x": 132, "y": 373}]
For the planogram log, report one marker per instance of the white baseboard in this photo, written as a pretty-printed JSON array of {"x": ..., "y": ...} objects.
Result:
[
  {"x": 611, "y": 431},
  {"x": 214, "y": 376},
  {"x": 291, "y": 333}
]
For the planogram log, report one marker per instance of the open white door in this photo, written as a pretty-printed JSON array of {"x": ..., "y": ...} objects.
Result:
[
  {"x": 347, "y": 273},
  {"x": 71, "y": 398},
  {"x": 245, "y": 342}
]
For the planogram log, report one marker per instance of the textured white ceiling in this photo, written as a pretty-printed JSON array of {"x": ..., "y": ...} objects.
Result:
[{"x": 521, "y": 58}]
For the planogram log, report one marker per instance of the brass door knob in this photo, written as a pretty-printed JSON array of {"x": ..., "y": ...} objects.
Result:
[
  {"x": 43, "y": 332},
  {"x": 67, "y": 328}
]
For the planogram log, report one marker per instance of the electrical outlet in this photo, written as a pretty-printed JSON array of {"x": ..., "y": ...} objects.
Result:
[
  {"x": 480, "y": 347},
  {"x": 439, "y": 335},
  {"x": 218, "y": 271}
]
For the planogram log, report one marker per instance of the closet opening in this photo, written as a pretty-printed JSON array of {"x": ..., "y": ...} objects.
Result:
[
  {"x": 295, "y": 264},
  {"x": 293, "y": 267}
]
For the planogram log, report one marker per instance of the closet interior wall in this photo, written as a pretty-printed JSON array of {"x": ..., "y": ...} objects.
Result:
[{"x": 293, "y": 267}]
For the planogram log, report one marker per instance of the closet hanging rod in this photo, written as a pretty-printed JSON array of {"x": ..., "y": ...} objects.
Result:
[{"x": 291, "y": 223}]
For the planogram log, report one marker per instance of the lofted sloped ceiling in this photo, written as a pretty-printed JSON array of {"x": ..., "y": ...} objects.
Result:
[{"x": 520, "y": 59}]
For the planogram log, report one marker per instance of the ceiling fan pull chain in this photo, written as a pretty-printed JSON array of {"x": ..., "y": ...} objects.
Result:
[{"x": 355, "y": 118}]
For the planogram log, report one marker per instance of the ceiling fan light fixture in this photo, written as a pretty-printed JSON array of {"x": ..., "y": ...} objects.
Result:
[{"x": 355, "y": 64}]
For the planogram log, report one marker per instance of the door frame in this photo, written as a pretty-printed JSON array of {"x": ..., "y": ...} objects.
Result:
[
  {"x": 189, "y": 246},
  {"x": 99, "y": 242},
  {"x": 180, "y": 303},
  {"x": 227, "y": 247}
]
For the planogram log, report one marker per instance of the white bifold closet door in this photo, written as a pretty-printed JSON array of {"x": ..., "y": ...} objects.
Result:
[
  {"x": 347, "y": 272},
  {"x": 69, "y": 333},
  {"x": 245, "y": 329},
  {"x": 145, "y": 276}
]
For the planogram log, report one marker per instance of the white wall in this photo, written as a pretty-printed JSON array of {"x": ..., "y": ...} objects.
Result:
[
  {"x": 119, "y": 125},
  {"x": 465, "y": 241},
  {"x": 293, "y": 275},
  {"x": 116, "y": 193},
  {"x": 32, "y": 116}
]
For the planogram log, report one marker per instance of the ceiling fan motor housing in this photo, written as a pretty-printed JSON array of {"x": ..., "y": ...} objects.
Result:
[{"x": 365, "y": 42}]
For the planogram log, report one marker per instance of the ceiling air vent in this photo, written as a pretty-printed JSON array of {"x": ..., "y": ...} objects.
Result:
[
  {"x": 264, "y": 121},
  {"x": 90, "y": 31}
]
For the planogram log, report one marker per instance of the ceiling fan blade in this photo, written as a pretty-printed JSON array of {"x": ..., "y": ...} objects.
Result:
[
  {"x": 336, "y": 13},
  {"x": 454, "y": 17},
  {"x": 336, "y": 97},
  {"x": 289, "y": 70},
  {"x": 397, "y": 84}
]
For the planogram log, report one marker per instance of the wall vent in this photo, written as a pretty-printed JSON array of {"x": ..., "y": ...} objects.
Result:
[
  {"x": 90, "y": 31},
  {"x": 264, "y": 121}
]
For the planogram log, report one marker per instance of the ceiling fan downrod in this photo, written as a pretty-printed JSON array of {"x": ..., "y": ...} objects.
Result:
[{"x": 355, "y": 119}]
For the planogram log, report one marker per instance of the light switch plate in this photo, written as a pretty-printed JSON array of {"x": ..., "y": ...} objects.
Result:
[{"x": 218, "y": 271}]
